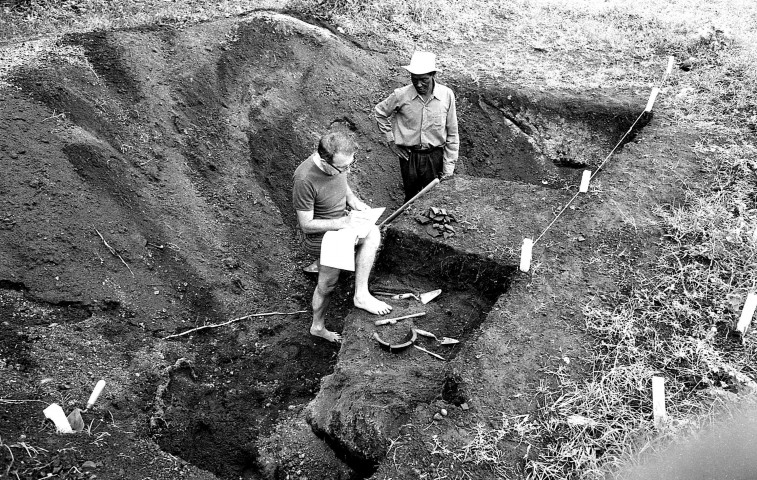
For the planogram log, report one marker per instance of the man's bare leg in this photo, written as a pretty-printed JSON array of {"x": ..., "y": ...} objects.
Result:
[
  {"x": 327, "y": 278},
  {"x": 363, "y": 263}
]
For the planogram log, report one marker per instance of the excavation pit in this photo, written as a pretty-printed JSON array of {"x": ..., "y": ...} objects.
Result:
[
  {"x": 161, "y": 201},
  {"x": 531, "y": 136}
]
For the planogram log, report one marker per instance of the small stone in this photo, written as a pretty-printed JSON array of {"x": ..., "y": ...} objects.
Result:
[
  {"x": 88, "y": 465},
  {"x": 443, "y": 411},
  {"x": 437, "y": 416},
  {"x": 464, "y": 406}
]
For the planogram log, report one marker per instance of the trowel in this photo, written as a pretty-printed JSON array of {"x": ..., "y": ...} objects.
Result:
[
  {"x": 424, "y": 298},
  {"x": 442, "y": 341},
  {"x": 428, "y": 296}
]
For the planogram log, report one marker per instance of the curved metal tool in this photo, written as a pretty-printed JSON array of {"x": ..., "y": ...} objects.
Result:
[{"x": 409, "y": 340}]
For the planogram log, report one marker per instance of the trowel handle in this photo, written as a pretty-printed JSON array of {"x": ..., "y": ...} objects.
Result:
[{"x": 392, "y": 321}]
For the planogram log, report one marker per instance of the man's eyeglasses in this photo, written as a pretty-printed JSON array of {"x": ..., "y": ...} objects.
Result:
[{"x": 345, "y": 168}]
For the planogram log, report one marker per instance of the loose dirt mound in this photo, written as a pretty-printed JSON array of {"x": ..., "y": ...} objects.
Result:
[{"x": 146, "y": 191}]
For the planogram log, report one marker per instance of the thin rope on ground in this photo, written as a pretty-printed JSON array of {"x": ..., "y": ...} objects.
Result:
[{"x": 620, "y": 142}]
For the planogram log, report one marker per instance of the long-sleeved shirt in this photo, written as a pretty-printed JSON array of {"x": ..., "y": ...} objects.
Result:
[{"x": 419, "y": 123}]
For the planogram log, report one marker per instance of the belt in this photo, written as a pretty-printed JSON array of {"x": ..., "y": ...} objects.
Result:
[{"x": 422, "y": 148}]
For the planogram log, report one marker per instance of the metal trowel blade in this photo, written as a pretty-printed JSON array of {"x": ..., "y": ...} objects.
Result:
[{"x": 428, "y": 296}]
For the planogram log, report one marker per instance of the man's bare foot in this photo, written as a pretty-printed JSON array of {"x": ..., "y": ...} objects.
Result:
[
  {"x": 372, "y": 304},
  {"x": 312, "y": 268},
  {"x": 326, "y": 334}
]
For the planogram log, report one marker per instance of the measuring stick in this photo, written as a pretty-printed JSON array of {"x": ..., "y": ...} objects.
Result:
[{"x": 430, "y": 353}]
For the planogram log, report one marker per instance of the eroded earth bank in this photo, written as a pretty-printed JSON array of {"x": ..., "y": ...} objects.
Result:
[{"x": 146, "y": 191}]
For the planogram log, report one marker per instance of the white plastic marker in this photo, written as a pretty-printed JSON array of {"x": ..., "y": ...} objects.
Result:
[
  {"x": 525, "y": 254},
  {"x": 55, "y": 413},
  {"x": 658, "y": 401},
  {"x": 671, "y": 61},
  {"x": 95, "y": 393},
  {"x": 747, "y": 313},
  {"x": 652, "y": 98},
  {"x": 585, "y": 181}
]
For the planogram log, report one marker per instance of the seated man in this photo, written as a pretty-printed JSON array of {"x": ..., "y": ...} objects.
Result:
[{"x": 321, "y": 195}]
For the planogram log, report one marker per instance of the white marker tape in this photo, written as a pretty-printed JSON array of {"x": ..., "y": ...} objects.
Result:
[
  {"x": 585, "y": 181},
  {"x": 55, "y": 413},
  {"x": 652, "y": 98},
  {"x": 747, "y": 313},
  {"x": 95, "y": 393},
  {"x": 671, "y": 61},
  {"x": 525, "y": 254},
  {"x": 658, "y": 401}
]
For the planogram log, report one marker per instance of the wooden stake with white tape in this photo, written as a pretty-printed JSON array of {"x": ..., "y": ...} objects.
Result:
[
  {"x": 525, "y": 254},
  {"x": 747, "y": 313},
  {"x": 584, "y": 187},
  {"x": 652, "y": 98},
  {"x": 95, "y": 393},
  {"x": 658, "y": 402}
]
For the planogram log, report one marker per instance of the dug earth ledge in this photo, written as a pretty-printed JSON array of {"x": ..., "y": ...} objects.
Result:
[{"x": 394, "y": 413}]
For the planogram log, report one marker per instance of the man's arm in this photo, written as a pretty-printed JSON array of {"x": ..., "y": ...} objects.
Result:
[
  {"x": 383, "y": 113},
  {"x": 354, "y": 202},
  {"x": 452, "y": 145},
  {"x": 310, "y": 225}
]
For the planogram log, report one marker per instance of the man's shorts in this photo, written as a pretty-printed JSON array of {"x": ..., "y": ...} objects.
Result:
[{"x": 311, "y": 242}]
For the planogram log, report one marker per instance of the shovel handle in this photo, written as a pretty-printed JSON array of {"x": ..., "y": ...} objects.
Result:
[
  {"x": 391, "y": 217},
  {"x": 392, "y": 321}
]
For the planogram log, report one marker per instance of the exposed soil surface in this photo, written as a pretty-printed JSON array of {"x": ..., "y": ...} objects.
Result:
[{"x": 146, "y": 190}]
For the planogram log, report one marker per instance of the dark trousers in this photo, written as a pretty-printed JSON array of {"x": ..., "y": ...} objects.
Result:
[{"x": 420, "y": 169}]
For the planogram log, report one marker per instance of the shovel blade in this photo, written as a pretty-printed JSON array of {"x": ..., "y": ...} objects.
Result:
[{"x": 428, "y": 296}]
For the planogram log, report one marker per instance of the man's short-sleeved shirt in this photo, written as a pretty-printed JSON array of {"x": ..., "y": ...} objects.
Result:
[{"x": 313, "y": 189}]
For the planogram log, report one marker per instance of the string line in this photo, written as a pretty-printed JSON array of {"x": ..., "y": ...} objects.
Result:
[{"x": 620, "y": 142}]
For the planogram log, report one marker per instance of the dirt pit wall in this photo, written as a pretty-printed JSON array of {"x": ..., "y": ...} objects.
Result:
[{"x": 148, "y": 192}]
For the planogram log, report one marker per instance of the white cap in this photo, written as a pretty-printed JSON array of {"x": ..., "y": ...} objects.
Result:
[{"x": 421, "y": 62}]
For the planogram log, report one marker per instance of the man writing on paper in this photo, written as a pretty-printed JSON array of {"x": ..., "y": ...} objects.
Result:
[
  {"x": 424, "y": 132},
  {"x": 321, "y": 195}
]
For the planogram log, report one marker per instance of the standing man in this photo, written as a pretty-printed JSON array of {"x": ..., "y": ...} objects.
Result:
[
  {"x": 321, "y": 196},
  {"x": 424, "y": 132}
]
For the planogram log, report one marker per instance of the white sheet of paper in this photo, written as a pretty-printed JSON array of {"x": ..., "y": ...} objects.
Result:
[
  {"x": 370, "y": 216},
  {"x": 338, "y": 249}
]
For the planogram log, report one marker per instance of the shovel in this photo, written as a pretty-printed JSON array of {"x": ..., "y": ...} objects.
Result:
[{"x": 442, "y": 341}]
